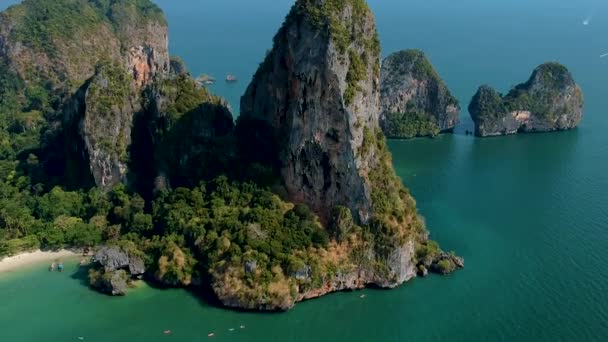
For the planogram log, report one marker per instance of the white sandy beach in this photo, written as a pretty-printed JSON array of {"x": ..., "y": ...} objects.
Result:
[{"x": 14, "y": 262}]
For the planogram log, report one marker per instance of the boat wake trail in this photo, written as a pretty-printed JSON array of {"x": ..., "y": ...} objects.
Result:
[{"x": 587, "y": 21}]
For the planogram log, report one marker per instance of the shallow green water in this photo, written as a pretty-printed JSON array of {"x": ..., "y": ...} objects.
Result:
[{"x": 529, "y": 213}]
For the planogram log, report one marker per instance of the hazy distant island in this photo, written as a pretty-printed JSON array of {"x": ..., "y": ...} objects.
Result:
[
  {"x": 108, "y": 143},
  {"x": 549, "y": 101}
]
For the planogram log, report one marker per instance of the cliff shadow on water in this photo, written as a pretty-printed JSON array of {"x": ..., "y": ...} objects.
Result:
[
  {"x": 81, "y": 274},
  {"x": 435, "y": 161}
]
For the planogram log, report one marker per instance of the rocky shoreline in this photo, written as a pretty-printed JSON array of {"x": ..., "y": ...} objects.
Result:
[{"x": 295, "y": 199}]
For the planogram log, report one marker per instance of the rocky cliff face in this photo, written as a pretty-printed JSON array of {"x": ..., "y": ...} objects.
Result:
[
  {"x": 113, "y": 269},
  {"x": 414, "y": 100},
  {"x": 312, "y": 108},
  {"x": 56, "y": 44},
  {"x": 54, "y": 48},
  {"x": 550, "y": 100},
  {"x": 111, "y": 101},
  {"x": 309, "y": 116},
  {"x": 317, "y": 91}
]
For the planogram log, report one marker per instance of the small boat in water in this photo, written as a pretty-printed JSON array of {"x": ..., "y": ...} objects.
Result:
[
  {"x": 231, "y": 78},
  {"x": 52, "y": 267},
  {"x": 60, "y": 267},
  {"x": 205, "y": 79}
]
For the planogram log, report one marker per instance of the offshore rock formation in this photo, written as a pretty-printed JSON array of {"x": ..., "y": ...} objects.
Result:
[
  {"x": 549, "y": 101},
  {"x": 113, "y": 270},
  {"x": 414, "y": 100},
  {"x": 312, "y": 108}
]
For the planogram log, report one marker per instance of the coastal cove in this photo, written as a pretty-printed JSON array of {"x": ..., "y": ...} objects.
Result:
[
  {"x": 527, "y": 212},
  {"x": 26, "y": 260}
]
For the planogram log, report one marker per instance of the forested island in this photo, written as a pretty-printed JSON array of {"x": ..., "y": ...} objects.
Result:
[
  {"x": 108, "y": 143},
  {"x": 549, "y": 101},
  {"x": 414, "y": 100}
]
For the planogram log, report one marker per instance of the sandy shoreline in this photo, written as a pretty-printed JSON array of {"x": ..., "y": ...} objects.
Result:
[{"x": 25, "y": 259}]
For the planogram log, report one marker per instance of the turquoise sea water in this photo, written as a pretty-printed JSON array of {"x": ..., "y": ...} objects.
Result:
[{"x": 529, "y": 213}]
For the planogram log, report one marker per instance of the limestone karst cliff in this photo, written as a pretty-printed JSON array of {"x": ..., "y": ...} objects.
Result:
[
  {"x": 315, "y": 101},
  {"x": 124, "y": 149},
  {"x": 549, "y": 101},
  {"x": 110, "y": 101},
  {"x": 318, "y": 91},
  {"x": 56, "y": 44},
  {"x": 53, "y": 50},
  {"x": 414, "y": 100}
]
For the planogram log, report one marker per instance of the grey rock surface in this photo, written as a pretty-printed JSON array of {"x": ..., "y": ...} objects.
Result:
[
  {"x": 549, "y": 101},
  {"x": 411, "y": 91}
]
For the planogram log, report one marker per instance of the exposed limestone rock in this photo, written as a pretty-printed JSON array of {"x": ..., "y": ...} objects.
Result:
[
  {"x": 178, "y": 66},
  {"x": 250, "y": 266},
  {"x": 52, "y": 48},
  {"x": 110, "y": 104},
  {"x": 311, "y": 111},
  {"x": 310, "y": 117},
  {"x": 113, "y": 270},
  {"x": 549, "y": 101},
  {"x": 49, "y": 41},
  {"x": 113, "y": 258},
  {"x": 115, "y": 283},
  {"x": 446, "y": 263},
  {"x": 317, "y": 92},
  {"x": 414, "y": 100}
]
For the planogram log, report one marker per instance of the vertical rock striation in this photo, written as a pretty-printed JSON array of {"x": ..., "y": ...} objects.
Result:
[
  {"x": 56, "y": 44},
  {"x": 312, "y": 111},
  {"x": 549, "y": 101},
  {"x": 110, "y": 104},
  {"x": 414, "y": 99},
  {"x": 317, "y": 93},
  {"x": 114, "y": 104},
  {"x": 54, "y": 49}
]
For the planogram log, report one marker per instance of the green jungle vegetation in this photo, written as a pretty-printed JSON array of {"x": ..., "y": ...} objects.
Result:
[
  {"x": 222, "y": 210},
  {"x": 537, "y": 95}
]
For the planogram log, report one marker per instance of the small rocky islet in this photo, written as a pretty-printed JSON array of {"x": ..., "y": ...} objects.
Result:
[
  {"x": 414, "y": 100},
  {"x": 116, "y": 145},
  {"x": 549, "y": 101}
]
